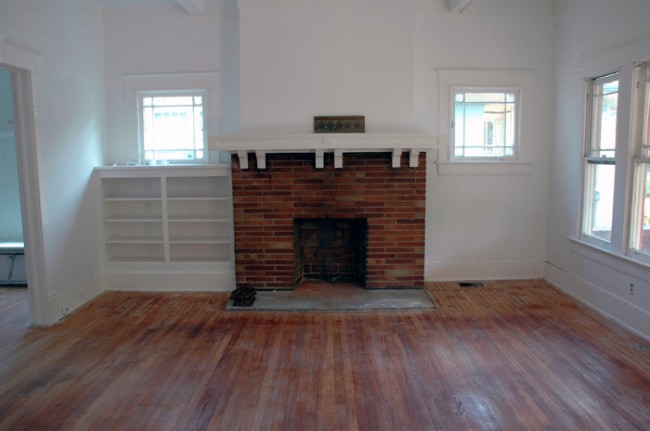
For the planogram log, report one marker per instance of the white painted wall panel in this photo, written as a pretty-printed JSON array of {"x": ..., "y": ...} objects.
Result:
[
  {"x": 66, "y": 39},
  {"x": 585, "y": 49}
]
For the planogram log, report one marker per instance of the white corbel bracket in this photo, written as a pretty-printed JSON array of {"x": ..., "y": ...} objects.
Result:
[
  {"x": 338, "y": 159},
  {"x": 414, "y": 158},
  {"x": 319, "y": 159},
  {"x": 397, "y": 157},
  {"x": 243, "y": 159},
  {"x": 261, "y": 159}
]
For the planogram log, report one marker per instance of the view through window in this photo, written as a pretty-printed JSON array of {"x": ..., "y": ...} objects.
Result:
[
  {"x": 485, "y": 123},
  {"x": 172, "y": 127}
]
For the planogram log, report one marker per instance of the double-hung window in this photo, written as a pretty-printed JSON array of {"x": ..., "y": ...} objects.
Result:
[
  {"x": 485, "y": 123},
  {"x": 171, "y": 126},
  {"x": 640, "y": 214},
  {"x": 600, "y": 158}
]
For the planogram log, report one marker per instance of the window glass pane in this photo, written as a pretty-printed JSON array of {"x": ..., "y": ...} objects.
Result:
[
  {"x": 173, "y": 101},
  {"x": 172, "y": 127},
  {"x": 640, "y": 229},
  {"x": 645, "y": 150},
  {"x": 605, "y": 109},
  {"x": 485, "y": 124},
  {"x": 599, "y": 200}
]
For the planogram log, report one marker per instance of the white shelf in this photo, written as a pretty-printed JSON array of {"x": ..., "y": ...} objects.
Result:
[
  {"x": 199, "y": 220},
  {"x": 200, "y": 198},
  {"x": 172, "y": 215},
  {"x": 199, "y": 241},
  {"x": 131, "y": 199},
  {"x": 133, "y": 220},
  {"x": 133, "y": 240},
  {"x": 137, "y": 259}
]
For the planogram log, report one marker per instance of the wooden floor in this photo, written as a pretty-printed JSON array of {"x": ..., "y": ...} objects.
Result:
[{"x": 510, "y": 356}]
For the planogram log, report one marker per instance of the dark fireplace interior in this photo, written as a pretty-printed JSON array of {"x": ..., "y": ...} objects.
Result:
[{"x": 330, "y": 249}]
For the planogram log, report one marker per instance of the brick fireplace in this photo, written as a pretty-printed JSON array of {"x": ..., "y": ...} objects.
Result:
[{"x": 383, "y": 190}]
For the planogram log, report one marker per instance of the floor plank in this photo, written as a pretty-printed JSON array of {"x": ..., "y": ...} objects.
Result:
[{"x": 513, "y": 355}]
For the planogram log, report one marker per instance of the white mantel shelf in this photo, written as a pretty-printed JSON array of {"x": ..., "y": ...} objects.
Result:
[{"x": 321, "y": 143}]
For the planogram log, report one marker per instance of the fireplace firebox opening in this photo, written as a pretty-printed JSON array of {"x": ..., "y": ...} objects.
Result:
[{"x": 330, "y": 250}]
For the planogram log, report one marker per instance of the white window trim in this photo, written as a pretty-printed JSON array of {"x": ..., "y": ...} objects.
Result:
[
  {"x": 521, "y": 79},
  {"x": 141, "y": 82}
]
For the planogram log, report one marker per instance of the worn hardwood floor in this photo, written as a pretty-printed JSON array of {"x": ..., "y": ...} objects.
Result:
[{"x": 510, "y": 356}]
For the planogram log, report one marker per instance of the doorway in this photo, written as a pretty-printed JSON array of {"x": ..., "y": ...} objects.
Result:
[
  {"x": 13, "y": 272},
  {"x": 28, "y": 205}
]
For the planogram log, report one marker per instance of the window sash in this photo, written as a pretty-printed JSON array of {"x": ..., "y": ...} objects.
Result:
[
  {"x": 600, "y": 160},
  {"x": 639, "y": 226},
  {"x": 602, "y": 125}
]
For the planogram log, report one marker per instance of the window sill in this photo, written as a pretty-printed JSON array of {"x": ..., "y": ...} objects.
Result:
[
  {"x": 611, "y": 259},
  {"x": 484, "y": 168}
]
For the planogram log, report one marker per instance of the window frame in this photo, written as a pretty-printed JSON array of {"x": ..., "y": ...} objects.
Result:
[
  {"x": 530, "y": 135},
  {"x": 590, "y": 161},
  {"x": 641, "y": 158},
  {"x": 132, "y": 83},
  {"x": 140, "y": 95},
  {"x": 475, "y": 89}
]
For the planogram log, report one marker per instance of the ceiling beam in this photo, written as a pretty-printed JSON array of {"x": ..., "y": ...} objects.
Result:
[
  {"x": 194, "y": 7},
  {"x": 458, "y": 6}
]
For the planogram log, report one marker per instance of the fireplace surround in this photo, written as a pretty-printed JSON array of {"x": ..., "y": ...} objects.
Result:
[{"x": 378, "y": 183}]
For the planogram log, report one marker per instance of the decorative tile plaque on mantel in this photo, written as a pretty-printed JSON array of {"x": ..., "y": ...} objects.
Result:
[{"x": 340, "y": 124}]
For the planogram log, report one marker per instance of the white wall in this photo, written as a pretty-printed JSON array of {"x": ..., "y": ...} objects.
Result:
[
  {"x": 319, "y": 59},
  {"x": 305, "y": 58},
  {"x": 164, "y": 44},
  {"x": 487, "y": 226},
  {"x": 593, "y": 37},
  {"x": 11, "y": 228},
  {"x": 66, "y": 38}
]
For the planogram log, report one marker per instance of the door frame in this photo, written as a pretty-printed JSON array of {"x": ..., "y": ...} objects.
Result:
[{"x": 22, "y": 62}]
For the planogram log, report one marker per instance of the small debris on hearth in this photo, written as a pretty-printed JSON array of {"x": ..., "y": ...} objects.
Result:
[{"x": 243, "y": 296}]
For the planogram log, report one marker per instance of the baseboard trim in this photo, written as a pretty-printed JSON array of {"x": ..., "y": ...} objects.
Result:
[
  {"x": 62, "y": 303},
  {"x": 633, "y": 318},
  {"x": 498, "y": 270},
  {"x": 168, "y": 282}
]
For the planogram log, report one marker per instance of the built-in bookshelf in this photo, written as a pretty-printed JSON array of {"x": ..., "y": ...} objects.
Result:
[{"x": 167, "y": 219}]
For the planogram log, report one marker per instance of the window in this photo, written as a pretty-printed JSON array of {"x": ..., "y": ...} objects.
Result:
[
  {"x": 171, "y": 127},
  {"x": 485, "y": 123},
  {"x": 600, "y": 158},
  {"x": 640, "y": 214}
]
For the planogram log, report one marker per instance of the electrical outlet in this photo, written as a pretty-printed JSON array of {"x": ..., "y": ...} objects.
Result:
[
  {"x": 631, "y": 289},
  {"x": 64, "y": 310}
]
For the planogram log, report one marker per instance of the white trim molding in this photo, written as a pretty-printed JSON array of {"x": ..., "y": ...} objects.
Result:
[
  {"x": 524, "y": 81},
  {"x": 318, "y": 144}
]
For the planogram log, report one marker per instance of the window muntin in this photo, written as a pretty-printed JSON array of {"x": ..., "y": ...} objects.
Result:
[
  {"x": 600, "y": 158},
  {"x": 172, "y": 127},
  {"x": 640, "y": 213},
  {"x": 485, "y": 123}
]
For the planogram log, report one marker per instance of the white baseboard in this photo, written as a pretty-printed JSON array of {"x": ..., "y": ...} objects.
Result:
[
  {"x": 634, "y": 318},
  {"x": 501, "y": 270},
  {"x": 62, "y": 303},
  {"x": 169, "y": 282}
]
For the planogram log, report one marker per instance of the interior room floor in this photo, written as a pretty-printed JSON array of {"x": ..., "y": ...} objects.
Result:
[{"x": 517, "y": 355}]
